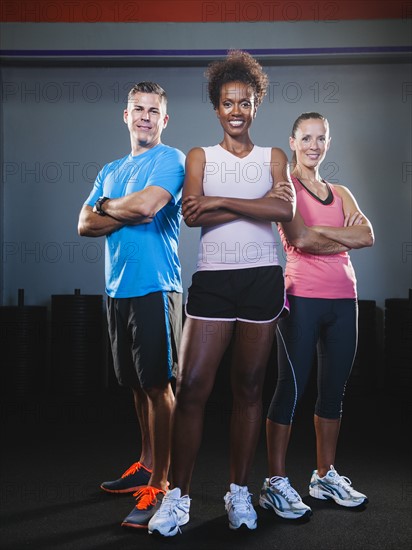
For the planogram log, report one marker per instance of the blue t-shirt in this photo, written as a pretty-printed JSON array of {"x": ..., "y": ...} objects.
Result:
[{"x": 140, "y": 259}]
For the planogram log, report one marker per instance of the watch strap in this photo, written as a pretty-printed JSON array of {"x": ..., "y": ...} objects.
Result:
[{"x": 100, "y": 201}]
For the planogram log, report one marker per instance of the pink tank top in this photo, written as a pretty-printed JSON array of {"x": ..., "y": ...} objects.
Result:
[{"x": 316, "y": 276}]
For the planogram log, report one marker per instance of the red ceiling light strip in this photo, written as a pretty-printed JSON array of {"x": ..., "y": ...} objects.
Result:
[{"x": 205, "y": 11}]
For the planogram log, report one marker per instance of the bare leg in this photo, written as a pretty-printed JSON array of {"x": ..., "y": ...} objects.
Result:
[
  {"x": 250, "y": 357},
  {"x": 160, "y": 413},
  {"x": 277, "y": 438},
  {"x": 202, "y": 348},
  {"x": 327, "y": 433},
  {"x": 142, "y": 411}
]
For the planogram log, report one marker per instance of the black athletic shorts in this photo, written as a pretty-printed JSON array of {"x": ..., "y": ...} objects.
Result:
[
  {"x": 255, "y": 295},
  {"x": 145, "y": 335}
]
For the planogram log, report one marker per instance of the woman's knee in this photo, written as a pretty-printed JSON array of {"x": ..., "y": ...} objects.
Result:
[
  {"x": 329, "y": 409},
  {"x": 191, "y": 392},
  {"x": 281, "y": 413},
  {"x": 247, "y": 387}
]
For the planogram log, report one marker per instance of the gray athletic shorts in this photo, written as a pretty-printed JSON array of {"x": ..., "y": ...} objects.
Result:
[{"x": 145, "y": 335}]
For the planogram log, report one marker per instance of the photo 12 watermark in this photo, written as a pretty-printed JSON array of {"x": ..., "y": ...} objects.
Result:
[
  {"x": 69, "y": 91},
  {"x": 251, "y": 12}
]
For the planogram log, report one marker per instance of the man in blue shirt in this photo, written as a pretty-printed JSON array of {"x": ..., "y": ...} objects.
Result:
[{"x": 136, "y": 203}]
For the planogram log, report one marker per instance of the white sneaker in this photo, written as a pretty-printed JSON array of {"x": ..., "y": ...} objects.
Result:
[
  {"x": 335, "y": 487},
  {"x": 239, "y": 507},
  {"x": 278, "y": 494},
  {"x": 173, "y": 512}
]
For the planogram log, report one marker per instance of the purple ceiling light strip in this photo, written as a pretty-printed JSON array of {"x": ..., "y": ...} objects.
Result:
[{"x": 208, "y": 53}]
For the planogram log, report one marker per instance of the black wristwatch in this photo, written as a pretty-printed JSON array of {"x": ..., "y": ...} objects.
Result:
[{"x": 99, "y": 204}]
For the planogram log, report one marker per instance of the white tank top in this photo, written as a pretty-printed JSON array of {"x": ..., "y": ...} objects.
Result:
[{"x": 242, "y": 243}]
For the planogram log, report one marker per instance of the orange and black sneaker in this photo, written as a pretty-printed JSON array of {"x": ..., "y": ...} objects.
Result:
[
  {"x": 133, "y": 478},
  {"x": 148, "y": 500}
]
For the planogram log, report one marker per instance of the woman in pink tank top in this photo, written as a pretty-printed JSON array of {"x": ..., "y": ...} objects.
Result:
[{"x": 321, "y": 288}]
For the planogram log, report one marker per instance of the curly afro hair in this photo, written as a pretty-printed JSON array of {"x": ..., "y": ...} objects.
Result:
[{"x": 238, "y": 66}]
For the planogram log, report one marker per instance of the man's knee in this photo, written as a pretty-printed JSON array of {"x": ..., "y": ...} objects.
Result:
[{"x": 158, "y": 391}]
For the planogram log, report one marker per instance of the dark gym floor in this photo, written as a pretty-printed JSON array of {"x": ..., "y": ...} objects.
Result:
[{"x": 55, "y": 455}]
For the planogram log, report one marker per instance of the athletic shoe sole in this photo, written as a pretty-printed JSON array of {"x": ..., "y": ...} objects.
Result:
[
  {"x": 249, "y": 524},
  {"x": 123, "y": 491},
  {"x": 174, "y": 531},
  {"x": 285, "y": 515},
  {"x": 315, "y": 492},
  {"x": 134, "y": 525}
]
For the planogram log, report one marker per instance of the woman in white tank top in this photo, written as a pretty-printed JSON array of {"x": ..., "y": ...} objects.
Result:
[{"x": 237, "y": 291}]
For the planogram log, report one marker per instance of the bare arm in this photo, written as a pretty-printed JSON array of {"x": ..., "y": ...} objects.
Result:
[
  {"x": 199, "y": 210},
  {"x": 92, "y": 224},
  {"x": 138, "y": 207},
  {"x": 193, "y": 188},
  {"x": 135, "y": 209},
  {"x": 308, "y": 240},
  {"x": 357, "y": 231}
]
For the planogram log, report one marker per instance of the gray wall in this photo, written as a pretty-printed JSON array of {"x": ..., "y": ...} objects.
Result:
[{"x": 62, "y": 122}]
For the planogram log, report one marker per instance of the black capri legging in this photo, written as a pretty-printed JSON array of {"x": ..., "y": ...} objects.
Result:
[{"x": 328, "y": 326}]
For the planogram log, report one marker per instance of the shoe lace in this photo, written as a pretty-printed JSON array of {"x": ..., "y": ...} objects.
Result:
[
  {"x": 133, "y": 469},
  {"x": 284, "y": 487},
  {"x": 146, "y": 496},
  {"x": 169, "y": 508},
  {"x": 343, "y": 481},
  {"x": 240, "y": 501}
]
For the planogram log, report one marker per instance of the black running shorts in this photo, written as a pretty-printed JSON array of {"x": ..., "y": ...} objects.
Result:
[
  {"x": 254, "y": 295},
  {"x": 145, "y": 335}
]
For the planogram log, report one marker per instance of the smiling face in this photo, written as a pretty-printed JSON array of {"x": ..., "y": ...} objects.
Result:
[
  {"x": 311, "y": 142},
  {"x": 236, "y": 109},
  {"x": 146, "y": 118}
]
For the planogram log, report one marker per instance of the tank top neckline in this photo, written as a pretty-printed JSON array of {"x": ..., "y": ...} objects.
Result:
[
  {"x": 329, "y": 198},
  {"x": 233, "y": 155}
]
